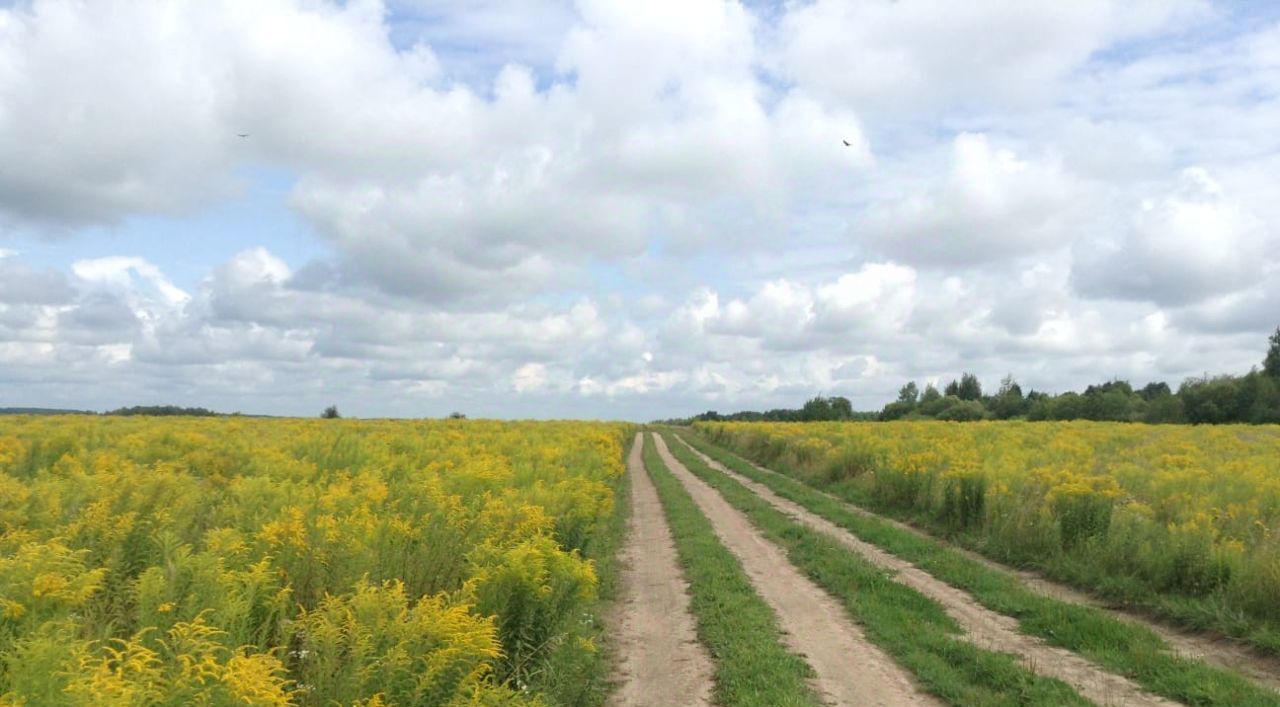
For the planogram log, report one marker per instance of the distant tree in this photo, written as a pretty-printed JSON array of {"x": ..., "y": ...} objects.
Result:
[
  {"x": 908, "y": 397},
  {"x": 954, "y": 408},
  {"x": 1164, "y": 410},
  {"x": 1157, "y": 389},
  {"x": 932, "y": 402},
  {"x": 841, "y": 408},
  {"x": 1008, "y": 402},
  {"x": 1111, "y": 404},
  {"x": 459, "y": 416},
  {"x": 1009, "y": 386},
  {"x": 162, "y": 410},
  {"x": 1068, "y": 406},
  {"x": 330, "y": 413},
  {"x": 816, "y": 409},
  {"x": 1212, "y": 400},
  {"x": 969, "y": 388},
  {"x": 1271, "y": 364}
]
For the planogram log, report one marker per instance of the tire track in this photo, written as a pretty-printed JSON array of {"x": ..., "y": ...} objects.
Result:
[
  {"x": 1220, "y": 652},
  {"x": 983, "y": 627},
  {"x": 850, "y": 669},
  {"x": 661, "y": 661}
]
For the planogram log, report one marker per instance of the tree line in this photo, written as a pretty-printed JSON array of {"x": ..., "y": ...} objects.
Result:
[{"x": 1250, "y": 398}]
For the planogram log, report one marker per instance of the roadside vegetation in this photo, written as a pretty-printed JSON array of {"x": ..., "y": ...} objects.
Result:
[
  {"x": 1180, "y": 521},
  {"x": 1122, "y": 647}
]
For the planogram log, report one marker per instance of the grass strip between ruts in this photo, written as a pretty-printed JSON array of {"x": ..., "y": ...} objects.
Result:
[
  {"x": 912, "y": 628},
  {"x": 752, "y": 667},
  {"x": 1119, "y": 646}
]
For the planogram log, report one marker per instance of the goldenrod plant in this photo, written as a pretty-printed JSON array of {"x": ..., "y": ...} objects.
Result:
[
  {"x": 221, "y": 561},
  {"x": 1182, "y": 520}
]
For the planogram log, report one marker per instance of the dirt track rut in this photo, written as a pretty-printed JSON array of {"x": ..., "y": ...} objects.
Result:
[
  {"x": 850, "y": 670},
  {"x": 661, "y": 661},
  {"x": 1216, "y": 651},
  {"x": 983, "y": 627}
]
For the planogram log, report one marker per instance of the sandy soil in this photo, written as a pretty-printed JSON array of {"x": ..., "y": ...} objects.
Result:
[
  {"x": 661, "y": 661},
  {"x": 1214, "y": 650},
  {"x": 983, "y": 627},
  {"x": 850, "y": 670}
]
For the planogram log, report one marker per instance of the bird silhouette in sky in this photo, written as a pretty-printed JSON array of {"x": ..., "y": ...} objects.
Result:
[
  {"x": 847, "y": 143},
  {"x": 247, "y": 135}
]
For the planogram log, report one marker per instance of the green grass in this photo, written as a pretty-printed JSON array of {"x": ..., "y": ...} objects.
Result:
[
  {"x": 1122, "y": 647},
  {"x": 751, "y": 665},
  {"x": 915, "y": 630}
]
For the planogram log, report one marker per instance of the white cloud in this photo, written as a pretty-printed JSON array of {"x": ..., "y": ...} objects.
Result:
[
  {"x": 123, "y": 272},
  {"x": 990, "y": 205},
  {"x": 878, "y": 55},
  {"x": 530, "y": 377},
  {"x": 1189, "y": 244},
  {"x": 629, "y": 211}
]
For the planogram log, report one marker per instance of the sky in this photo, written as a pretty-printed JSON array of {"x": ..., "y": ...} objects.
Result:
[{"x": 628, "y": 210}]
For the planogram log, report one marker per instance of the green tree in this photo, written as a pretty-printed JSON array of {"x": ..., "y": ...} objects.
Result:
[
  {"x": 1271, "y": 364},
  {"x": 1008, "y": 402},
  {"x": 969, "y": 388},
  {"x": 330, "y": 413},
  {"x": 841, "y": 408}
]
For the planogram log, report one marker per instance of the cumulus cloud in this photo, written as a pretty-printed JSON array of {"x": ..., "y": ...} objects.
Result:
[
  {"x": 22, "y": 284},
  {"x": 990, "y": 205},
  {"x": 1194, "y": 242},
  {"x": 123, "y": 271},
  {"x": 657, "y": 120},
  {"x": 853, "y": 310},
  {"x": 580, "y": 208},
  {"x": 897, "y": 56}
]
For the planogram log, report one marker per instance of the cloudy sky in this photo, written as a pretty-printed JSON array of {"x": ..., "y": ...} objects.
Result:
[{"x": 628, "y": 210}]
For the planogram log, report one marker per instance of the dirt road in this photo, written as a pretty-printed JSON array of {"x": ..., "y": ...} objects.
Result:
[
  {"x": 983, "y": 627},
  {"x": 850, "y": 670},
  {"x": 661, "y": 661}
]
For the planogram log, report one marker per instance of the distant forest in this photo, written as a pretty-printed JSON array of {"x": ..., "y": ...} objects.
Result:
[
  {"x": 152, "y": 410},
  {"x": 1250, "y": 398}
]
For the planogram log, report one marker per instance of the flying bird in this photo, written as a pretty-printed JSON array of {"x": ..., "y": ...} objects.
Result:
[
  {"x": 847, "y": 143},
  {"x": 247, "y": 135}
]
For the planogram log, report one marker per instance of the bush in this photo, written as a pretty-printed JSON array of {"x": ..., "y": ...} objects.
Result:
[{"x": 959, "y": 410}]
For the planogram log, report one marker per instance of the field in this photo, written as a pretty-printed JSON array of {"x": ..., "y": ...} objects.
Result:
[
  {"x": 1182, "y": 520},
  {"x": 233, "y": 561},
  {"x": 311, "y": 562}
]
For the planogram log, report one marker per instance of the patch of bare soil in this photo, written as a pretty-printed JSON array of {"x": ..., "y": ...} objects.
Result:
[
  {"x": 661, "y": 661},
  {"x": 850, "y": 670},
  {"x": 982, "y": 626},
  {"x": 1213, "y": 650}
]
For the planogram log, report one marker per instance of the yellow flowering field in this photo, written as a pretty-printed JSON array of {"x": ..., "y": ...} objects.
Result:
[
  {"x": 177, "y": 561},
  {"x": 1188, "y": 514}
]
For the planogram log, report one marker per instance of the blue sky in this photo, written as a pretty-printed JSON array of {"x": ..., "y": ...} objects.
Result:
[{"x": 602, "y": 209}]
